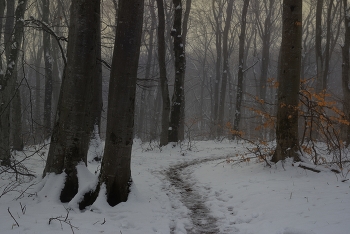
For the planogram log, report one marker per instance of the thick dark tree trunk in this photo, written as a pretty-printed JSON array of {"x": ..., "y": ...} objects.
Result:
[
  {"x": 72, "y": 129},
  {"x": 289, "y": 81},
  {"x": 181, "y": 131},
  {"x": 8, "y": 30},
  {"x": 178, "y": 95},
  {"x": 2, "y": 12},
  {"x": 7, "y": 82},
  {"x": 225, "y": 71},
  {"x": 15, "y": 110},
  {"x": 163, "y": 75},
  {"x": 241, "y": 62},
  {"x": 346, "y": 70},
  {"x": 115, "y": 169}
]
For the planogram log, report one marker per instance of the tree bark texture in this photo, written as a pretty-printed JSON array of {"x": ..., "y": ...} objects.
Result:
[
  {"x": 264, "y": 29},
  {"x": 7, "y": 82},
  {"x": 56, "y": 63},
  {"x": 241, "y": 62},
  {"x": 16, "y": 116},
  {"x": 180, "y": 66},
  {"x": 2, "y": 12},
  {"x": 142, "y": 124},
  {"x": 37, "y": 110},
  {"x": 345, "y": 69},
  {"x": 217, "y": 79},
  {"x": 115, "y": 168},
  {"x": 48, "y": 70},
  {"x": 9, "y": 24},
  {"x": 163, "y": 74},
  {"x": 56, "y": 77},
  {"x": 289, "y": 81},
  {"x": 318, "y": 46},
  {"x": 95, "y": 88},
  {"x": 181, "y": 131},
  {"x": 16, "y": 108},
  {"x": 72, "y": 129},
  {"x": 265, "y": 56},
  {"x": 327, "y": 52},
  {"x": 221, "y": 124}
]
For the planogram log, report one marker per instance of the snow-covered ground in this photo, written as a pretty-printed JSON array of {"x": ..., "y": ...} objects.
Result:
[{"x": 177, "y": 190}]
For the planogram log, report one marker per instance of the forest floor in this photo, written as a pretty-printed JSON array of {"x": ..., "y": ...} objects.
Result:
[{"x": 199, "y": 187}]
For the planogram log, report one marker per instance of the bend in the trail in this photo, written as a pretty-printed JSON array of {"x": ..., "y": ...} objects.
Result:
[{"x": 180, "y": 178}]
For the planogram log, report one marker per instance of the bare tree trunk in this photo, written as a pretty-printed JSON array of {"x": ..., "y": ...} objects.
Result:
[
  {"x": 163, "y": 75},
  {"x": 153, "y": 113},
  {"x": 56, "y": 79},
  {"x": 5, "y": 95},
  {"x": 156, "y": 114},
  {"x": 345, "y": 70},
  {"x": 168, "y": 9},
  {"x": 73, "y": 126},
  {"x": 318, "y": 46},
  {"x": 15, "y": 134},
  {"x": 322, "y": 55},
  {"x": 115, "y": 168},
  {"x": 96, "y": 87},
  {"x": 16, "y": 112},
  {"x": 204, "y": 78},
  {"x": 16, "y": 116},
  {"x": 2, "y": 12},
  {"x": 8, "y": 30},
  {"x": 289, "y": 80},
  {"x": 327, "y": 52},
  {"x": 141, "y": 118},
  {"x": 115, "y": 5},
  {"x": 264, "y": 29},
  {"x": 265, "y": 56},
  {"x": 56, "y": 72},
  {"x": 181, "y": 132},
  {"x": 218, "y": 40},
  {"x": 241, "y": 61},
  {"x": 7, "y": 82},
  {"x": 37, "y": 110},
  {"x": 48, "y": 71},
  {"x": 307, "y": 33},
  {"x": 180, "y": 66},
  {"x": 226, "y": 68}
]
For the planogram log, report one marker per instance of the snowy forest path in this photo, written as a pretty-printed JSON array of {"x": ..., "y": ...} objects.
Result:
[{"x": 181, "y": 179}]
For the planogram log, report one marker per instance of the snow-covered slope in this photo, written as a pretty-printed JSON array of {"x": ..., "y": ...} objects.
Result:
[{"x": 240, "y": 198}]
